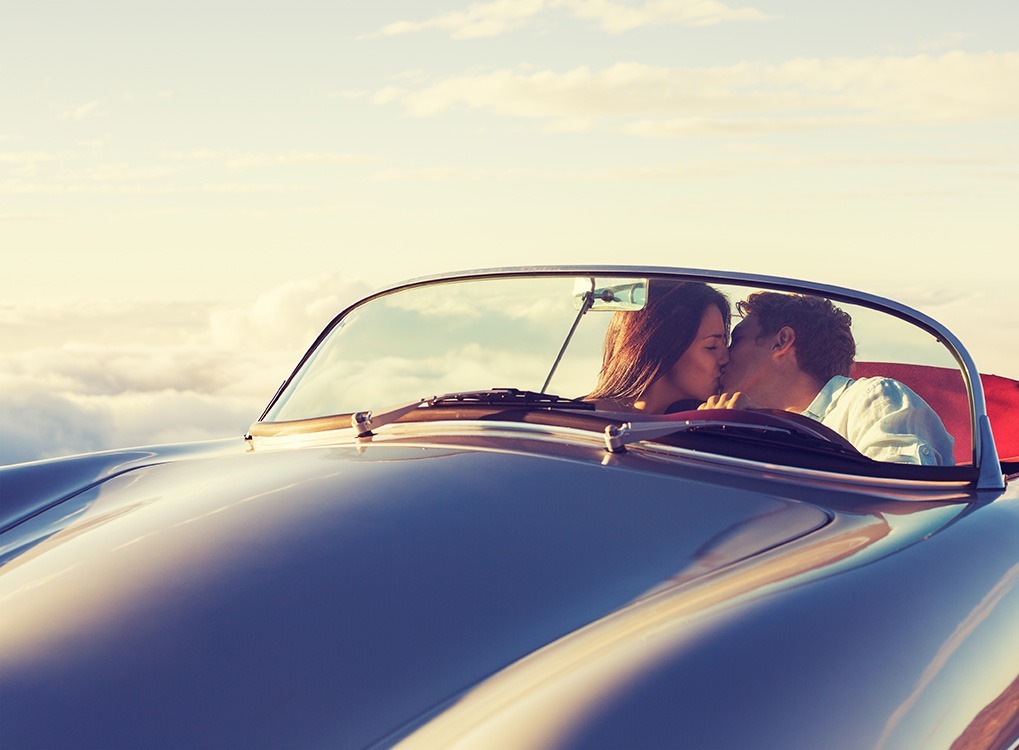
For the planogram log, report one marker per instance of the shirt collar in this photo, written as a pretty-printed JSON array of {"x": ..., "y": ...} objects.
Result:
[{"x": 826, "y": 399}]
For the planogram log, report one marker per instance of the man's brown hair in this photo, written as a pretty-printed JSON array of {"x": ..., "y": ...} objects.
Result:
[{"x": 824, "y": 338}]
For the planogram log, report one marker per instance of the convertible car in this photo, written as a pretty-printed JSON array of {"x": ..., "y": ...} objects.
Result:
[{"x": 431, "y": 538}]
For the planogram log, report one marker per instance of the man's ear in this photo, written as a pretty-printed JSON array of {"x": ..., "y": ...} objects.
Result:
[{"x": 783, "y": 342}]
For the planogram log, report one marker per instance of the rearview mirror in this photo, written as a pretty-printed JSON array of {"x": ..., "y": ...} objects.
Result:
[{"x": 610, "y": 294}]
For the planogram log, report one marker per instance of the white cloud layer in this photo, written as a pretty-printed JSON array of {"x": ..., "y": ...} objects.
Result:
[
  {"x": 739, "y": 99},
  {"x": 147, "y": 373},
  {"x": 481, "y": 20}
]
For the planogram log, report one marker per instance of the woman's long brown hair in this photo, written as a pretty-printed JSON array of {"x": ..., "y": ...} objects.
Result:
[{"x": 643, "y": 344}]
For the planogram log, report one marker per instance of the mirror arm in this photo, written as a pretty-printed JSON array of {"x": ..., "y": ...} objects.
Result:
[{"x": 588, "y": 301}]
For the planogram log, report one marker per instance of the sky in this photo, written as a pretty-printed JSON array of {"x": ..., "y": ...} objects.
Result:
[{"x": 189, "y": 191}]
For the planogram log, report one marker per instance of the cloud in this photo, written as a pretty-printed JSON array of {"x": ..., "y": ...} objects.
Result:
[
  {"x": 616, "y": 17},
  {"x": 79, "y": 377},
  {"x": 980, "y": 321},
  {"x": 947, "y": 41},
  {"x": 371, "y": 383},
  {"x": 38, "y": 423},
  {"x": 97, "y": 369},
  {"x": 81, "y": 397},
  {"x": 294, "y": 312},
  {"x": 483, "y": 20},
  {"x": 740, "y": 99},
  {"x": 91, "y": 109},
  {"x": 476, "y": 21}
]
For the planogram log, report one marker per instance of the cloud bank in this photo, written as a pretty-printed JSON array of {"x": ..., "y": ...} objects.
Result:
[{"x": 83, "y": 377}]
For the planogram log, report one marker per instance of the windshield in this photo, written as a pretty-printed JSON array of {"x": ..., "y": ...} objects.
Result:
[{"x": 547, "y": 333}]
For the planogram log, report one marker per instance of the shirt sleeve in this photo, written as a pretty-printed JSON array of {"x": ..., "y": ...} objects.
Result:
[{"x": 889, "y": 422}]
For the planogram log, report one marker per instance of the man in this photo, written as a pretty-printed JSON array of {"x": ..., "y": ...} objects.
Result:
[{"x": 794, "y": 352}]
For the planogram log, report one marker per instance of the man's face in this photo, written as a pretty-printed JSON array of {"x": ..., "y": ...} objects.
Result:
[{"x": 749, "y": 359}]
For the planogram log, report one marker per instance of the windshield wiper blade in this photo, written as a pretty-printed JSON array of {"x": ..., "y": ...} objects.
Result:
[
  {"x": 618, "y": 437},
  {"x": 514, "y": 396},
  {"x": 364, "y": 422}
]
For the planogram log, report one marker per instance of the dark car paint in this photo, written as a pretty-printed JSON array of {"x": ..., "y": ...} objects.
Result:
[
  {"x": 328, "y": 595},
  {"x": 349, "y": 593},
  {"x": 30, "y": 488},
  {"x": 886, "y": 654}
]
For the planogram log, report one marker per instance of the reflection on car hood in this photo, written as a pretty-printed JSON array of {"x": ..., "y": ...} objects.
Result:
[{"x": 329, "y": 596}]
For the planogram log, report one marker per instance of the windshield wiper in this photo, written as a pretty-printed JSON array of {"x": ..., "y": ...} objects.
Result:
[
  {"x": 617, "y": 437},
  {"x": 514, "y": 396},
  {"x": 364, "y": 422}
]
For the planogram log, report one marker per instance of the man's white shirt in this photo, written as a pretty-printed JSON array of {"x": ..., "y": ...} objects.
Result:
[{"x": 884, "y": 420}]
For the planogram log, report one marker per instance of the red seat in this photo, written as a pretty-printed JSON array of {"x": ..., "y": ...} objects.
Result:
[{"x": 943, "y": 389}]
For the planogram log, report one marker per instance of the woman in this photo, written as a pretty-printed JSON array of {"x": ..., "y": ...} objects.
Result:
[{"x": 669, "y": 355}]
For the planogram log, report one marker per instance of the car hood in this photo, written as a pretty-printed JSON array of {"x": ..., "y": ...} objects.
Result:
[{"x": 330, "y": 595}]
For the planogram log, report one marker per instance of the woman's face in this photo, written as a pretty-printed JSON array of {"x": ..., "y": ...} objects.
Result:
[{"x": 696, "y": 373}]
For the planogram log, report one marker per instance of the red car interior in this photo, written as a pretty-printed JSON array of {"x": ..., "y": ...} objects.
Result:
[{"x": 943, "y": 389}]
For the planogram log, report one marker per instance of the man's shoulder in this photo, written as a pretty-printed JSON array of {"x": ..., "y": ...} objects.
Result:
[
  {"x": 843, "y": 398},
  {"x": 881, "y": 394},
  {"x": 869, "y": 398},
  {"x": 877, "y": 384}
]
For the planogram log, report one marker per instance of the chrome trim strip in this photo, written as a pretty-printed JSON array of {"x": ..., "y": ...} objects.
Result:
[{"x": 418, "y": 433}]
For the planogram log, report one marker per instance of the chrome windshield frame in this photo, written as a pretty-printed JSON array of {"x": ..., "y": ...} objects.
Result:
[{"x": 984, "y": 453}]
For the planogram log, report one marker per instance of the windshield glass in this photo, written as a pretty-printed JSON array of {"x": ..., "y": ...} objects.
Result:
[
  {"x": 548, "y": 333},
  {"x": 442, "y": 338}
]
